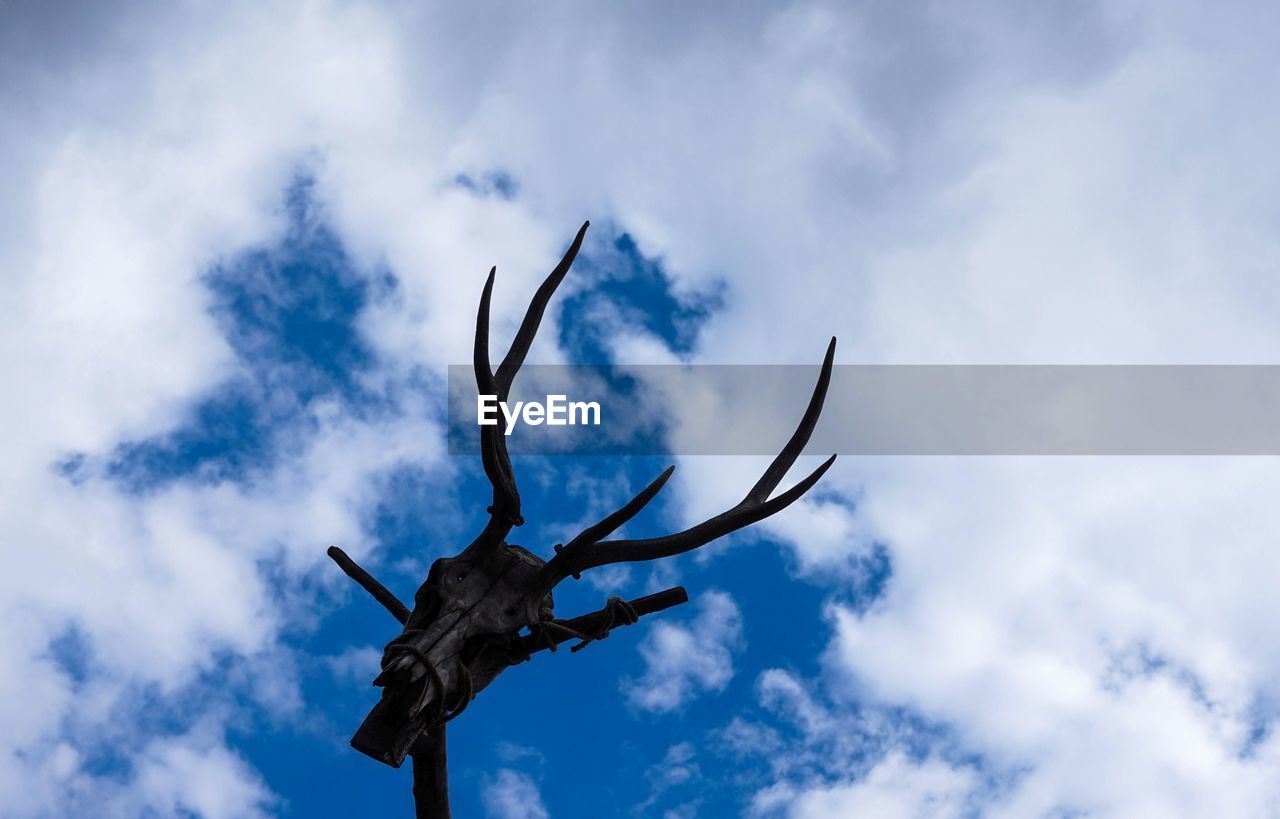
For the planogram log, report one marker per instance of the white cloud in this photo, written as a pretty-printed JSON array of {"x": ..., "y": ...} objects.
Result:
[
  {"x": 1072, "y": 183},
  {"x": 510, "y": 794},
  {"x": 677, "y": 771},
  {"x": 684, "y": 661},
  {"x": 822, "y": 758},
  {"x": 356, "y": 665},
  {"x": 1091, "y": 622},
  {"x": 177, "y": 777},
  {"x": 127, "y": 194},
  {"x": 895, "y": 788},
  {"x": 1093, "y": 189},
  {"x": 188, "y": 774}
]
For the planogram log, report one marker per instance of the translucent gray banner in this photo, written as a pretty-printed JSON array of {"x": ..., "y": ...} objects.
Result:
[{"x": 880, "y": 410}]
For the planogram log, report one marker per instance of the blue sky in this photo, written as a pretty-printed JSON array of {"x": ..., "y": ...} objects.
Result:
[
  {"x": 242, "y": 242},
  {"x": 290, "y": 312}
]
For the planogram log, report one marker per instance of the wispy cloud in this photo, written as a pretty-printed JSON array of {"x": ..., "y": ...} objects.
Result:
[
  {"x": 510, "y": 794},
  {"x": 1086, "y": 183},
  {"x": 684, "y": 661}
]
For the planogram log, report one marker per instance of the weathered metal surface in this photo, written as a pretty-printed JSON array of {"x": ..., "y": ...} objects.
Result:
[{"x": 491, "y": 607}]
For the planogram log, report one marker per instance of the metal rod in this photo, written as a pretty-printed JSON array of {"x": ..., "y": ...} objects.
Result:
[
  {"x": 649, "y": 604},
  {"x": 380, "y": 593},
  {"x": 431, "y": 776}
]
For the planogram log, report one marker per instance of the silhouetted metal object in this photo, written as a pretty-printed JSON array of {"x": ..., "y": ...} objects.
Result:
[{"x": 490, "y": 607}]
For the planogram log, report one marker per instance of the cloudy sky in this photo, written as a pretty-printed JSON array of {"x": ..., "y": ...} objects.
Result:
[{"x": 240, "y": 243}]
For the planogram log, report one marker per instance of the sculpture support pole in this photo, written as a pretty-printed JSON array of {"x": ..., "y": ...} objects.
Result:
[{"x": 430, "y": 776}]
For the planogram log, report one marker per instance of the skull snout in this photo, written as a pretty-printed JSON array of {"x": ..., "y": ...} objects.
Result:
[{"x": 423, "y": 670}]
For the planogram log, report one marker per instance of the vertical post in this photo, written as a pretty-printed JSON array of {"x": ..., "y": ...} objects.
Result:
[{"x": 430, "y": 775}]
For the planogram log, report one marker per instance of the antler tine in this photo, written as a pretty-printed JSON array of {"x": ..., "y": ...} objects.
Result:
[
  {"x": 505, "y": 510},
  {"x": 533, "y": 316},
  {"x": 611, "y": 523},
  {"x": 493, "y": 445},
  {"x": 774, "y": 474},
  {"x": 586, "y": 551}
]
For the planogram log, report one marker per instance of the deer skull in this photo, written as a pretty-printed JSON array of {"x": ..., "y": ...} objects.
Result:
[{"x": 480, "y": 612}]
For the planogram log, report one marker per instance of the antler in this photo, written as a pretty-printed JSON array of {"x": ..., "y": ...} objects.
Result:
[
  {"x": 587, "y": 550},
  {"x": 505, "y": 511}
]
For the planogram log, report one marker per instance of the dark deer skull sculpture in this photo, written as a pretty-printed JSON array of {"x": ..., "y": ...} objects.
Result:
[{"x": 491, "y": 606}]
